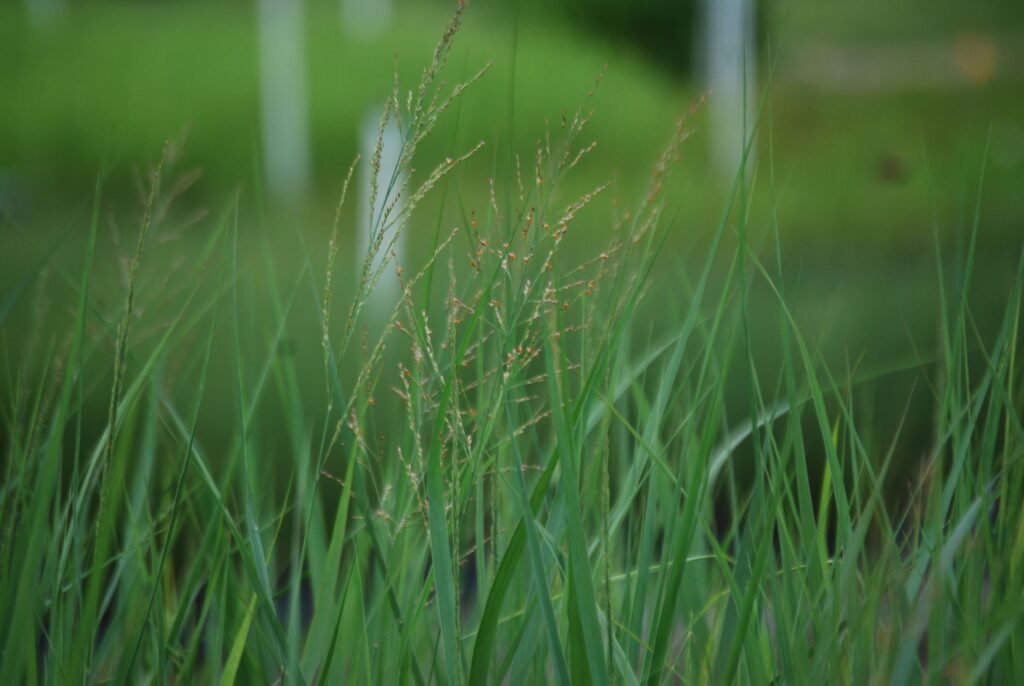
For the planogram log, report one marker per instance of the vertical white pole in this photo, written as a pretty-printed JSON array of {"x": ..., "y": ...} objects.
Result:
[
  {"x": 730, "y": 60},
  {"x": 371, "y": 18},
  {"x": 44, "y": 12},
  {"x": 387, "y": 291},
  {"x": 286, "y": 156}
]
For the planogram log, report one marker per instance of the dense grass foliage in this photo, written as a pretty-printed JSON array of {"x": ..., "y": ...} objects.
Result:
[{"x": 504, "y": 476}]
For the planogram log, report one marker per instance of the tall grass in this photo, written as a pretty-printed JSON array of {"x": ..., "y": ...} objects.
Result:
[{"x": 514, "y": 482}]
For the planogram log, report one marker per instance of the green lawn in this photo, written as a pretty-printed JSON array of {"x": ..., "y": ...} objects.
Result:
[{"x": 112, "y": 81}]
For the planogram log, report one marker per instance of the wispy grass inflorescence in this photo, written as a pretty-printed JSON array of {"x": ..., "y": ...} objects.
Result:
[{"x": 332, "y": 255}]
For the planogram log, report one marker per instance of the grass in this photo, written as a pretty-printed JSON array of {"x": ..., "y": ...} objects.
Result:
[
  {"x": 509, "y": 475},
  {"x": 113, "y": 79}
]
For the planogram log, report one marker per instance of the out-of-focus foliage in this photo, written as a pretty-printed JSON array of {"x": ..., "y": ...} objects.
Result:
[{"x": 661, "y": 29}]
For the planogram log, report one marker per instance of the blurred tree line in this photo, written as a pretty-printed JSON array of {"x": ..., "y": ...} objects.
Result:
[
  {"x": 670, "y": 33},
  {"x": 665, "y": 31}
]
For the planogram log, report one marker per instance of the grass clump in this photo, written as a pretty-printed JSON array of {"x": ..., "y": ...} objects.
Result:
[{"x": 510, "y": 480}]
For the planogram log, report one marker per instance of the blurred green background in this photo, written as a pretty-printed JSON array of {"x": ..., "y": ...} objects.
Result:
[
  {"x": 858, "y": 96},
  {"x": 872, "y": 138}
]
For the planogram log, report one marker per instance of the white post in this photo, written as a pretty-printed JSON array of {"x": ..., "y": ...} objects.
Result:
[
  {"x": 286, "y": 156},
  {"x": 44, "y": 12},
  {"x": 371, "y": 18},
  {"x": 387, "y": 291},
  {"x": 730, "y": 62}
]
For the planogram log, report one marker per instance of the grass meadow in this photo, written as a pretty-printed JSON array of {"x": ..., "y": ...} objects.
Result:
[{"x": 552, "y": 458}]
